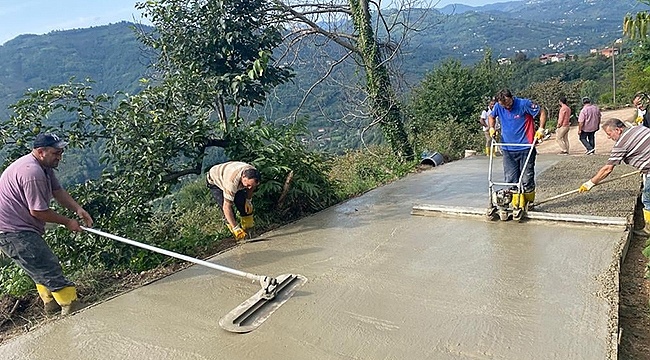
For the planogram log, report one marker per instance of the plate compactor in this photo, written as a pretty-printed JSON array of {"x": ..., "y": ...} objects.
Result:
[
  {"x": 508, "y": 200},
  {"x": 255, "y": 310}
]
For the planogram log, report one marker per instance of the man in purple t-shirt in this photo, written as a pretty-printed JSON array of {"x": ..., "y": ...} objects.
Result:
[
  {"x": 588, "y": 124},
  {"x": 26, "y": 188}
]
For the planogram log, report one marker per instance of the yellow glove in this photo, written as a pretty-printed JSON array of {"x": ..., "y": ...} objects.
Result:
[
  {"x": 539, "y": 135},
  {"x": 249, "y": 206},
  {"x": 492, "y": 132},
  {"x": 639, "y": 119},
  {"x": 586, "y": 186},
  {"x": 237, "y": 231}
]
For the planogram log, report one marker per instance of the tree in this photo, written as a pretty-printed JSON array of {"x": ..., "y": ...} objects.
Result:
[
  {"x": 217, "y": 52},
  {"x": 636, "y": 70},
  {"x": 547, "y": 94},
  {"x": 444, "y": 109},
  {"x": 636, "y": 25},
  {"x": 453, "y": 92},
  {"x": 358, "y": 30}
]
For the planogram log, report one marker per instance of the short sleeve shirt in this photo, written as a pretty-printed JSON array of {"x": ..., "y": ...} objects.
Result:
[
  {"x": 518, "y": 123},
  {"x": 25, "y": 185},
  {"x": 633, "y": 148},
  {"x": 589, "y": 117},
  {"x": 227, "y": 177},
  {"x": 484, "y": 115}
]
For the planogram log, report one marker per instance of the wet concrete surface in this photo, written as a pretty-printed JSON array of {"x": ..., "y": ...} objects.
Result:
[{"x": 383, "y": 284}]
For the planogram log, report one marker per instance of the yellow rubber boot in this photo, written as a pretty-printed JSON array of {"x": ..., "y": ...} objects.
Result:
[
  {"x": 646, "y": 219},
  {"x": 530, "y": 197},
  {"x": 516, "y": 199},
  {"x": 247, "y": 222},
  {"x": 487, "y": 150},
  {"x": 51, "y": 306},
  {"x": 67, "y": 299}
]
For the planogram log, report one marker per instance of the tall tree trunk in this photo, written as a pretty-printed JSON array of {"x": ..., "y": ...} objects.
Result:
[{"x": 384, "y": 104}]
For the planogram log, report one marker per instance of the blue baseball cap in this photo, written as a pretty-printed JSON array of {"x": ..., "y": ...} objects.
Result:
[{"x": 49, "y": 140}]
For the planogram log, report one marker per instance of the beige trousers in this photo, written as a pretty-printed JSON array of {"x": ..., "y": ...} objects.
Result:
[{"x": 562, "y": 138}]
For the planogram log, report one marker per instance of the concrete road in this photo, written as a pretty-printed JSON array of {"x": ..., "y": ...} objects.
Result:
[{"x": 383, "y": 284}]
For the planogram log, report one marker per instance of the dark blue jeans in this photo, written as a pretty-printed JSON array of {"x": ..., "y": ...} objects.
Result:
[
  {"x": 588, "y": 140},
  {"x": 514, "y": 164}
]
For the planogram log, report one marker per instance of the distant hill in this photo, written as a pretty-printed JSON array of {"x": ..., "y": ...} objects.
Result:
[
  {"x": 113, "y": 57},
  {"x": 110, "y": 55},
  {"x": 532, "y": 27}
]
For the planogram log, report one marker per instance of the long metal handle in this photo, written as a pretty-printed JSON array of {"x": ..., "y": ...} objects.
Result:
[
  {"x": 576, "y": 190},
  {"x": 176, "y": 255}
]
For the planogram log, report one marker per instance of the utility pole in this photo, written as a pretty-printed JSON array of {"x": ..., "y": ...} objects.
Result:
[
  {"x": 613, "y": 76},
  {"x": 617, "y": 41}
]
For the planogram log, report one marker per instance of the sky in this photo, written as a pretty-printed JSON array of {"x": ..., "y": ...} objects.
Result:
[{"x": 19, "y": 17}]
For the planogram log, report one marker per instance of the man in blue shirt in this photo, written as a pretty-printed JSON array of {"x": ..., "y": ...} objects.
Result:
[{"x": 517, "y": 116}]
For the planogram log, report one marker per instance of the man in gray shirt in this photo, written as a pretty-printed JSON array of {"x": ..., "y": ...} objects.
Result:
[
  {"x": 26, "y": 188},
  {"x": 632, "y": 147}
]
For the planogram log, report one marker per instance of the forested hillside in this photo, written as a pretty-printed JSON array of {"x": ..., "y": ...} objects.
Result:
[
  {"x": 109, "y": 55},
  {"x": 113, "y": 57}
]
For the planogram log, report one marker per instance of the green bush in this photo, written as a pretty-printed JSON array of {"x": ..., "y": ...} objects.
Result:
[
  {"x": 450, "y": 139},
  {"x": 358, "y": 171},
  {"x": 13, "y": 280},
  {"x": 294, "y": 179}
]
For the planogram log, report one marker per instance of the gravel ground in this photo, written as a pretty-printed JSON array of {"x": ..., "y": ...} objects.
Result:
[{"x": 615, "y": 198}]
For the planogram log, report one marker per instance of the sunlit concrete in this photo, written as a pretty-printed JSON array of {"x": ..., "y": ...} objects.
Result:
[{"x": 383, "y": 284}]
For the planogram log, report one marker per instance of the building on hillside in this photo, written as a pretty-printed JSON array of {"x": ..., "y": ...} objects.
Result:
[
  {"x": 607, "y": 52},
  {"x": 554, "y": 57},
  {"x": 504, "y": 61}
]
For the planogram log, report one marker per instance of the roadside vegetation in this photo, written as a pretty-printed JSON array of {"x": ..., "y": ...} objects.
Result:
[{"x": 155, "y": 146}]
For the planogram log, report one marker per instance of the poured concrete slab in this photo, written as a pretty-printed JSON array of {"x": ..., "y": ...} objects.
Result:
[{"x": 382, "y": 285}]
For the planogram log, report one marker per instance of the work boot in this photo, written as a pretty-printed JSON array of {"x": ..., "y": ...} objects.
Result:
[
  {"x": 518, "y": 200},
  {"x": 529, "y": 198},
  {"x": 67, "y": 299},
  {"x": 50, "y": 305},
  {"x": 646, "y": 229},
  {"x": 247, "y": 222}
]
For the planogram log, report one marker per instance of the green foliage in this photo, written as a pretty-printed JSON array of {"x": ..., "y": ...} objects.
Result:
[
  {"x": 636, "y": 72},
  {"x": 192, "y": 195},
  {"x": 13, "y": 280},
  {"x": 594, "y": 68},
  {"x": 450, "y": 138},
  {"x": 294, "y": 180},
  {"x": 358, "y": 171},
  {"x": 218, "y": 52},
  {"x": 636, "y": 25},
  {"x": 453, "y": 92},
  {"x": 646, "y": 251},
  {"x": 547, "y": 95}
]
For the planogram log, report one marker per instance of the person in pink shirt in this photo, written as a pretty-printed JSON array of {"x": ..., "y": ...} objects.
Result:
[
  {"x": 26, "y": 188},
  {"x": 588, "y": 124}
]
